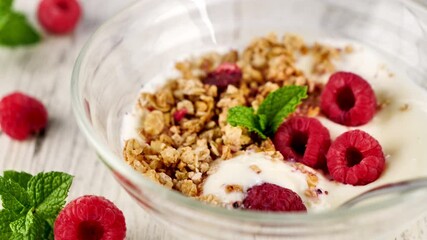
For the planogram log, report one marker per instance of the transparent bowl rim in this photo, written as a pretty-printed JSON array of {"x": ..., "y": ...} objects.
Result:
[{"x": 117, "y": 163}]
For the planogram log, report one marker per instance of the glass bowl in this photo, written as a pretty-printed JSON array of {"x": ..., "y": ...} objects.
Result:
[{"x": 142, "y": 42}]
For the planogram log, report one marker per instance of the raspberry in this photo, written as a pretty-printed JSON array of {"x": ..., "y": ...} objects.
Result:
[
  {"x": 355, "y": 158},
  {"x": 178, "y": 115},
  {"x": 90, "y": 218},
  {"x": 270, "y": 197},
  {"x": 304, "y": 140},
  {"x": 59, "y": 16},
  {"x": 348, "y": 99},
  {"x": 225, "y": 74},
  {"x": 22, "y": 115}
]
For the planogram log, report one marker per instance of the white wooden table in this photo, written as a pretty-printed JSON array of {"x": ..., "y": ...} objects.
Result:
[{"x": 44, "y": 71}]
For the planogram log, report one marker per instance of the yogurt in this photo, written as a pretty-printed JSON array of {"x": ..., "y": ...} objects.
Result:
[{"x": 399, "y": 127}]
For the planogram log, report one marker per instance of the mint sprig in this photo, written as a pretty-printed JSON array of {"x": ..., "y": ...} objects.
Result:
[
  {"x": 31, "y": 203},
  {"x": 15, "y": 30},
  {"x": 5, "y": 5},
  {"x": 271, "y": 113}
]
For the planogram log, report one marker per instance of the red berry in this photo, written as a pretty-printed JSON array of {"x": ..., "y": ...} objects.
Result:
[
  {"x": 270, "y": 197},
  {"x": 90, "y": 218},
  {"x": 304, "y": 140},
  {"x": 59, "y": 16},
  {"x": 348, "y": 99},
  {"x": 224, "y": 75},
  {"x": 178, "y": 115},
  {"x": 355, "y": 158},
  {"x": 21, "y": 116}
]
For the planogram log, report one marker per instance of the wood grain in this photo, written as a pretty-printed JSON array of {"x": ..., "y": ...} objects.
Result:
[{"x": 44, "y": 71}]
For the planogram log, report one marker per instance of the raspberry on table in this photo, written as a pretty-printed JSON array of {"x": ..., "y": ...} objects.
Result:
[
  {"x": 348, "y": 99},
  {"x": 22, "y": 115},
  {"x": 355, "y": 158},
  {"x": 304, "y": 140},
  {"x": 90, "y": 218},
  {"x": 59, "y": 16},
  {"x": 224, "y": 75},
  {"x": 271, "y": 197}
]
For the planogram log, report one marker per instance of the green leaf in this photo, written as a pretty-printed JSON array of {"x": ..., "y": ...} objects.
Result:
[
  {"x": 263, "y": 122},
  {"x": 13, "y": 196},
  {"x": 245, "y": 117},
  {"x": 48, "y": 232},
  {"x": 17, "y": 236},
  {"x": 48, "y": 192},
  {"x": 34, "y": 226},
  {"x": 279, "y": 104},
  {"x": 6, "y": 218},
  {"x": 5, "y": 5},
  {"x": 15, "y": 30},
  {"x": 18, "y": 226},
  {"x": 20, "y": 178},
  {"x": 30, "y": 227}
]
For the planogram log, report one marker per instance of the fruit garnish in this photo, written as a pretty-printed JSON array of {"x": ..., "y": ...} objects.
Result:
[
  {"x": 59, "y": 16},
  {"x": 271, "y": 113},
  {"x": 22, "y": 115},
  {"x": 224, "y": 75},
  {"x": 15, "y": 30},
  {"x": 355, "y": 158},
  {"x": 90, "y": 218},
  {"x": 31, "y": 203},
  {"x": 271, "y": 197},
  {"x": 348, "y": 99},
  {"x": 304, "y": 140}
]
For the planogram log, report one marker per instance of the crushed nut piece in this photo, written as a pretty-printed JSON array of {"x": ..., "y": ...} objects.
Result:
[
  {"x": 256, "y": 169},
  {"x": 233, "y": 188},
  {"x": 404, "y": 107}
]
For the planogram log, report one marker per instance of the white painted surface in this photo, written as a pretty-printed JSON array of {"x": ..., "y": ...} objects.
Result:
[{"x": 44, "y": 71}]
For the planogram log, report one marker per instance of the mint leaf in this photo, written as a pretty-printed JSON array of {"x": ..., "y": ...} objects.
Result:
[
  {"x": 30, "y": 227},
  {"x": 48, "y": 232},
  {"x": 279, "y": 104},
  {"x": 15, "y": 30},
  {"x": 48, "y": 192},
  {"x": 20, "y": 178},
  {"x": 18, "y": 226},
  {"x": 245, "y": 117},
  {"x": 263, "y": 122},
  {"x": 17, "y": 236},
  {"x": 13, "y": 196},
  {"x": 34, "y": 226},
  {"x": 6, "y": 218},
  {"x": 5, "y": 5}
]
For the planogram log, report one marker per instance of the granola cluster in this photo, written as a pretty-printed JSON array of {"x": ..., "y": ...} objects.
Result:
[{"x": 178, "y": 152}]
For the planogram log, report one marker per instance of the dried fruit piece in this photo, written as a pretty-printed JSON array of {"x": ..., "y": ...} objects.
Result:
[
  {"x": 270, "y": 197},
  {"x": 22, "y": 115},
  {"x": 178, "y": 115},
  {"x": 59, "y": 16},
  {"x": 355, "y": 158},
  {"x": 90, "y": 217},
  {"x": 304, "y": 140},
  {"x": 348, "y": 99},
  {"x": 224, "y": 75}
]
